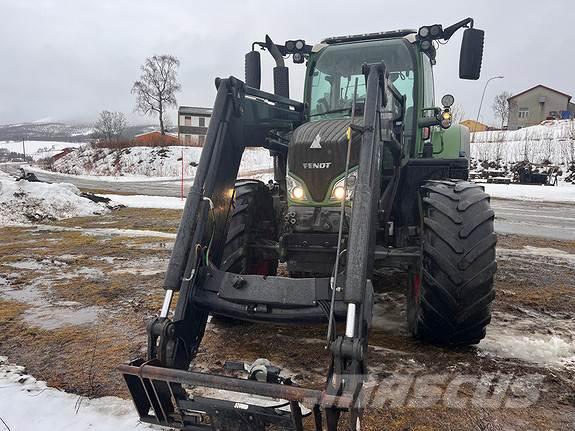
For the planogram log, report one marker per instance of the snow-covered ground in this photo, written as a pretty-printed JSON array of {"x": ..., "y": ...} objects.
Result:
[
  {"x": 38, "y": 149},
  {"x": 23, "y": 201},
  {"x": 147, "y": 161},
  {"x": 144, "y": 201},
  {"x": 562, "y": 193},
  {"x": 27, "y": 404}
]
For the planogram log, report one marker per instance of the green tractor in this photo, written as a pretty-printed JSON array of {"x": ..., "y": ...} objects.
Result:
[{"x": 369, "y": 176}]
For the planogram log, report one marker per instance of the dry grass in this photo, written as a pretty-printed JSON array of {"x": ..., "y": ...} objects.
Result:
[
  {"x": 157, "y": 219},
  {"x": 62, "y": 356},
  {"x": 10, "y": 310}
]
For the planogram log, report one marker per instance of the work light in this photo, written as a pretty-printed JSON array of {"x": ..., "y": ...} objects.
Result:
[
  {"x": 448, "y": 100},
  {"x": 423, "y": 32},
  {"x": 435, "y": 30}
]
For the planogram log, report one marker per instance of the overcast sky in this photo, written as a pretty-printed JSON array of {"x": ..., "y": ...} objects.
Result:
[{"x": 69, "y": 59}]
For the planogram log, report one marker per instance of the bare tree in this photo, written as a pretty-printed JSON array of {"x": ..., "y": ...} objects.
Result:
[
  {"x": 155, "y": 91},
  {"x": 110, "y": 126},
  {"x": 501, "y": 107},
  {"x": 457, "y": 113}
]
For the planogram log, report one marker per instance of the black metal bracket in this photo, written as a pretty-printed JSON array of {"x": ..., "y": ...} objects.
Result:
[{"x": 160, "y": 399}]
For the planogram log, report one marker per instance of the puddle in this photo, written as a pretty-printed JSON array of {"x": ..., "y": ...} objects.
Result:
[
  {"x": 91, "y": 274},
  {"x": 29, "y": 294},
  {"x": 108, "y": 259},
  {"x": 37, "y": 265},
  {"x": 71, "y": 257},
  {"x": 389, "y": 313},
  {"x": 27, "y": 264},
  {"x": 168, "y": 245},
  {"x": 46, "y": 314},
  {"x": 144, "y": 266},
  {"x": 47, "y": 317}
]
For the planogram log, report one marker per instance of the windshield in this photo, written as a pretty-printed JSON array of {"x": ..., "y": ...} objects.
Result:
[{"x": 334, "y": 73}]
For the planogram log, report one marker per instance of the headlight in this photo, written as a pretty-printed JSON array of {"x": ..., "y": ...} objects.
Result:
[
  {"x": 338, "y": 191},
  {"x": 295, "y": 189}
]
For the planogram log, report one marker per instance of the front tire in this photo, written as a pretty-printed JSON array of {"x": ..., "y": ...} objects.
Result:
[
  {"x": 252, "y": 221},
  {"x": 450, "y": 297}
]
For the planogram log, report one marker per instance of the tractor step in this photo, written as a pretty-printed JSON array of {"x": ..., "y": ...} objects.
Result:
[{"x": 160, "y": 399}]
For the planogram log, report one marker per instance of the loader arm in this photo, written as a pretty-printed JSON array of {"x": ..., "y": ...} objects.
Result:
[{"x": 244, "y": 116}]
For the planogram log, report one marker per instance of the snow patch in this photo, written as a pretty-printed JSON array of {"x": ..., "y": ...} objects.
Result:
[
  {"x": 39, "y": 149},
  {"x": 550, "y": 343},
  {"x": 22, "y": 202},
  {"x": 542, "y": 350},
  {"x": 29, "y": 404},
  {"x": 109, "y": 232}
]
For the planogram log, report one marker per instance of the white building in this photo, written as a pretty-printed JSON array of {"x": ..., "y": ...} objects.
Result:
[{"x": 193, "y": 125}]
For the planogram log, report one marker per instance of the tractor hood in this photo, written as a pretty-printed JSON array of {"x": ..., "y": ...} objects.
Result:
[{"x": 317, "y": 154}]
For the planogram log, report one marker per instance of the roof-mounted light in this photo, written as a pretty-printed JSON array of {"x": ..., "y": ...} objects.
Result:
[{"x": 436, "y": 30}]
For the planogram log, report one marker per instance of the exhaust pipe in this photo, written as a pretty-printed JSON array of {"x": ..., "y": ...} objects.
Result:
[{"x": 281, "y": 72}]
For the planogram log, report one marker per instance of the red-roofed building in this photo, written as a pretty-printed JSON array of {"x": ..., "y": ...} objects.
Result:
[{"x": 155, "y": 138}]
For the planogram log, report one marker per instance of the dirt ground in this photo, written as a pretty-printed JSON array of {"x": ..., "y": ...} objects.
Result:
[{"x": 75, "y": 297}]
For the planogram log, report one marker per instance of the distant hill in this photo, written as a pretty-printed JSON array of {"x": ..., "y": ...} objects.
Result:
[{"x": 59, "y": 132}]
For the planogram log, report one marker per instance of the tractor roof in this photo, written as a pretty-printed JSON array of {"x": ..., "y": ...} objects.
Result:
[{"x": 368, "y": 36}]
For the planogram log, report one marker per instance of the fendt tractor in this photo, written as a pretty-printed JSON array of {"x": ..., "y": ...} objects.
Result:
[{"x": 369, "y": 177}]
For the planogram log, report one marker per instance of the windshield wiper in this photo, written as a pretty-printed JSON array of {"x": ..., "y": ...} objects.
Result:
[{"x": 332, "y": 111}]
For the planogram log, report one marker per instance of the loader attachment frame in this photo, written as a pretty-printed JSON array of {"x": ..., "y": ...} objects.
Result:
[{"x": 242, "y": 117}]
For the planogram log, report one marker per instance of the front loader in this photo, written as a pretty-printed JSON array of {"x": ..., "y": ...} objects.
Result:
[{"x": 369, "y": 176}]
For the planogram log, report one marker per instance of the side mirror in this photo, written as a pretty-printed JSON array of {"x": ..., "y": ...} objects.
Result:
[
  {"x": 471, "y": 55},
  {"x": 253, "y": 69}
]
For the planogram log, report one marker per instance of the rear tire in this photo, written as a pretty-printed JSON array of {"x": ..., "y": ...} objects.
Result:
[
  {"x": 449, "y": 299},
  {"x": 252, "y": 221}
]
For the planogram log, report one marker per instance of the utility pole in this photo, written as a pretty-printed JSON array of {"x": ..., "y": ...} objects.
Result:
[
  {"x": 182, "y": 186},
  {"x": 24, "y": 148}
]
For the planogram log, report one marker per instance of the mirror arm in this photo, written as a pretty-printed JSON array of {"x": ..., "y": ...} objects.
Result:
[
  {"x": 428, "y": 122},
  {"x": 449, "y": 31}
]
